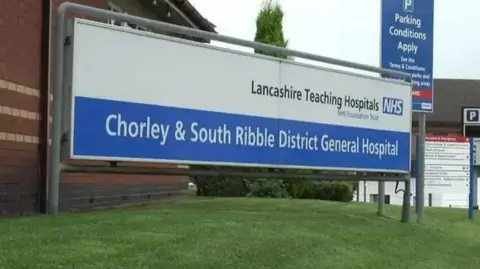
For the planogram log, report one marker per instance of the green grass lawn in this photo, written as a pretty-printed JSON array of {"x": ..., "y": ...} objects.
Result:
[{"x": 242, "y": 233}]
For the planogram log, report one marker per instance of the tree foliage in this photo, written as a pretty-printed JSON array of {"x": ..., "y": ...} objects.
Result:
[{"x": 269, "y": 24}]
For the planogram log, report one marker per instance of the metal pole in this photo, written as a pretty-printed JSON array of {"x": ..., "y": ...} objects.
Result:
[
  {"x": 422, "y": 123},
  {"x": 364, "y": 191},
  {"x": 167, "y": 27},
  {"x": 54, "y": 179},
  {"x": 406, "y": 202},
  {"x": 381, "y": 198},
  {"x": 475, "y": 187},
  {"x": 416, "y": 174},
  {"x": 69, "y": 168},
  {"x": 472, "y": 179},
  {"x": 358, "y": 191}
]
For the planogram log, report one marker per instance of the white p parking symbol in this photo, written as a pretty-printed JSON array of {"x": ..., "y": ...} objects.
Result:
[
  {"x": 473, "y": 115},
  {"x": 408, "y": 5}
]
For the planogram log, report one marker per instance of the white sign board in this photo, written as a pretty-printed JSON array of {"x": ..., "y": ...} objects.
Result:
[
  {"x": 145, "y": 97},
  {"x": 447, "y": 164}
]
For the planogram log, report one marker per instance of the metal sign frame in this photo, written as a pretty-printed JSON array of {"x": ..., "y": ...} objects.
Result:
[{"x": 62, "y": 106}]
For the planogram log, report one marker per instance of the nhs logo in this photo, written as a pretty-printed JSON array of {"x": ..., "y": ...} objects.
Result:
[
  {"x": 408, "y": 5},
  {"x": 392, "y": 106}
]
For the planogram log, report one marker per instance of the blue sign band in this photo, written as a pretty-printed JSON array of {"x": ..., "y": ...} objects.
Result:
[{"x": 139, "y": 132}]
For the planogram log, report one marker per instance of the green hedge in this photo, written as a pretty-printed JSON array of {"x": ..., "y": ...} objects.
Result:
[
  {"x": 222, "y": 187},
  {"x": 324, "y": 190},
  {"x": 274, "y": 188},
  {"x": 271, "y": 188}
]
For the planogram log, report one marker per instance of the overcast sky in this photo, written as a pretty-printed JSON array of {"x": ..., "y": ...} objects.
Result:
[{"x": 350, "y": 29}]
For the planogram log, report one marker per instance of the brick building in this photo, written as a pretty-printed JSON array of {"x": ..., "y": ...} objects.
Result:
[{"x": 25, "y": 34}]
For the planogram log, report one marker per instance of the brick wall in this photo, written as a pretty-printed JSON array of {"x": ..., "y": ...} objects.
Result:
[
  {"x": 20, "y": 59},
  {"x": 22, "y": 141},
  {"x": 86, "y": 191}
]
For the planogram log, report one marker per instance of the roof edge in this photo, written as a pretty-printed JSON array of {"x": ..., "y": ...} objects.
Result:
[{"x": 202, "y": 22}]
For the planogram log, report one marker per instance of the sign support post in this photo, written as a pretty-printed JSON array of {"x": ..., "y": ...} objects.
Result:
[
  {"x": 475, "y": 188},
  {"x": 421, "y": 167},
  {"x": 53, "y": 182},
  {"x": 381, "y": 198},
  {"x": 473, "y": 179},
  {"x": 406, "y": 200}
]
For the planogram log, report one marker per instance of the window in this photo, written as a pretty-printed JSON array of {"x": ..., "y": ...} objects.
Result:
[
  {"x": 115, "y": 8},
  {"x": 374, "y": 199},
  {"x": 472, "y": 131},
  {"x": 387, "y": 199}
]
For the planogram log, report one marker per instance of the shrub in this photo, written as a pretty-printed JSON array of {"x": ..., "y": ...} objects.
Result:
[
  {"x": 333, "y": 191},
  {"x": 343, "y": 192},
  {"x": 221, "y": 186},
  {"x": 271, "y": 188},
  {"x": 296, "y": 187}
]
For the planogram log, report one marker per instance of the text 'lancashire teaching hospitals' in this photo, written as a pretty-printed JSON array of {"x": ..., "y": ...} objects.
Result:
[
  {"x": 392, "y": 106},
  {"x": 308, "y": 95},
  {"x": 245, "y": 136}
]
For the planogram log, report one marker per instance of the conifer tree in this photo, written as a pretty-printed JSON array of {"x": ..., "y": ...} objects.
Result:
[{"x": 269, "y": 24}]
